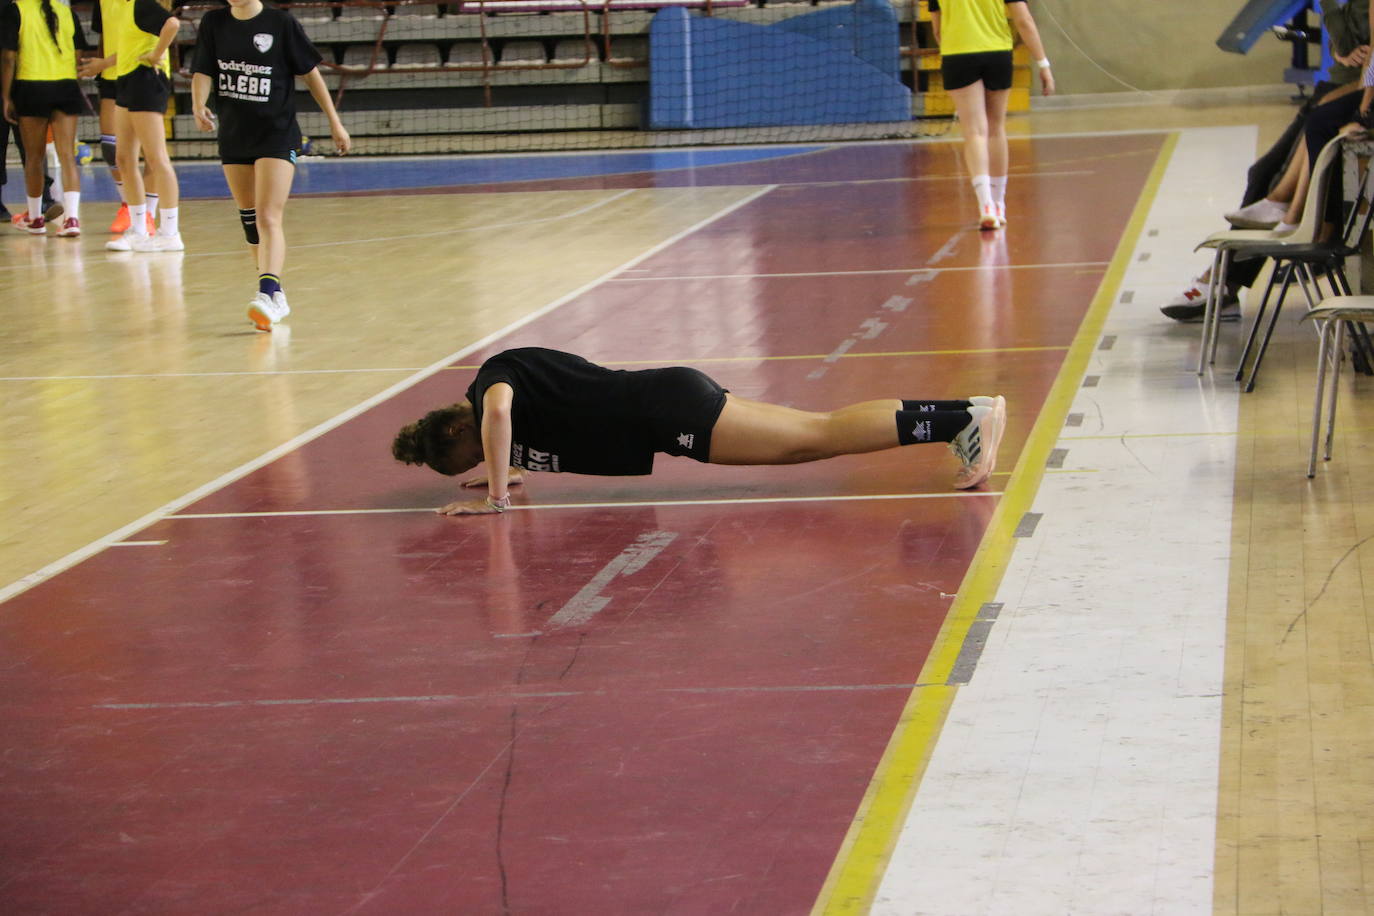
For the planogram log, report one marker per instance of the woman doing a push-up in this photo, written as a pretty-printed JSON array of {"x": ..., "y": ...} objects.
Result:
[{"x": 543, "y": 410}]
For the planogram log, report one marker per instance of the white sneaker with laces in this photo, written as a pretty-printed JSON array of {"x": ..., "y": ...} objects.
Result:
[
  {"x": 1262, "y": 214},
  {"x": 123, "y": 242},
  {"x": 159, "y": 243},
  {"x": 1002, "y": 212},
  {"x": 265, "y": 311},
  {"x": 988, "y": 218},
  {"x": 976, "y": 445}
]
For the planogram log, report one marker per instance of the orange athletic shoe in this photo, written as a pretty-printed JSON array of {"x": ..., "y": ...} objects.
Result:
[{"x": 121, "y": 221}]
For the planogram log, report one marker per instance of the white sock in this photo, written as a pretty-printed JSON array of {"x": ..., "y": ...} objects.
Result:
[
  {"x": 999, "y": 189},
  {"x": 168, "y": 226},
  {"x": 71, "y": 204},
  {"x": 138, "y": 220},
  {"x": 35, "y": 207},
  {"x": 982, "y": 186},
  {"x": 151, "y": 200}
]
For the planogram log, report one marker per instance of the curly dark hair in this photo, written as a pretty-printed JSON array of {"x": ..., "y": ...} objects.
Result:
[{"x": 429, "y": 440}]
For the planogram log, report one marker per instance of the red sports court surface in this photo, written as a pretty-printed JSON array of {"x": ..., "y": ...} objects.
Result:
[{"x": 643, "y": 695}]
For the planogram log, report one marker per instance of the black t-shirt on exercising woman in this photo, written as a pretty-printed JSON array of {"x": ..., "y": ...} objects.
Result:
[
  {"x": 253, "y": 65},
  {"x": 569, "y": 414}
]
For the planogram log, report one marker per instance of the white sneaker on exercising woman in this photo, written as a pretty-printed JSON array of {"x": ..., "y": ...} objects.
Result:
[
  {"x": 976, "y": 445},
  {"x": 265, "y": 311},
  {"x": 1262, "y": 214}
]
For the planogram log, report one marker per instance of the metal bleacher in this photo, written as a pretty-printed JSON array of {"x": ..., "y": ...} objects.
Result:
[{"x": 433, "y": 77}]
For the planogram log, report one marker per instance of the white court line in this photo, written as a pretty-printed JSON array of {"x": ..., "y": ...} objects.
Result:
[
  {"x": 147, "y": 375},
  {"x": 635, "y": 504},
  {"x": 138, "y": 543},
  {"x": 500, "y": 697},
  {"x": 861, "y": 273},
  {"x": 580, "y": 211},
  {"x": 25, "y": 583}
]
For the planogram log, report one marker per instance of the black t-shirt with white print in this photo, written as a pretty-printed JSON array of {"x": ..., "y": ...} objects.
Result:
[
  {"x": 253, "y": 65},
  {"x": 569, "y": 414}
]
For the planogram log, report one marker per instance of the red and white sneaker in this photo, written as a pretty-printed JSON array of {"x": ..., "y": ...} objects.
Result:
[
  {"x": 988, "y": 218},
  {"x": 71, "y": 228},
  {"x": 1002, "y": 213},
  {"x": 121, "y": 221},
  {"x": 31, "y": 226},
  {"x": 976, "y": 445}
]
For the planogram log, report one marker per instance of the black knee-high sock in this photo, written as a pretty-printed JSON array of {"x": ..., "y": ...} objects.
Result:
[
  {"x": 249, "y": 219},
  {"x": 927, "y": 406},
  {"x": 915, "y": 426}
]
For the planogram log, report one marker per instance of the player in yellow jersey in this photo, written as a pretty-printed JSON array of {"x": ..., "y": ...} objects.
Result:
[
  {"x": 40, "y": 40},
  {"x": 143, "y": 86},
  {"x": 105, "y": 20},
  {"x": 975, "y": 62}
]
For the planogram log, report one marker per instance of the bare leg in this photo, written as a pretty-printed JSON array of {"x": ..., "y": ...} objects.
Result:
[
  {"x": 996, "y": 106},
  {"x": 243, "y": 189},
  {"x": 970, "y": 102},
  {"x": 272, "y": 184},
  {"x": 127, "y": 149},
  {"x": 33, "y": 133},
  {"x": 1299, "y": 200},
  {"x": 64, "y": 138},
  {"x": 752, "y": 432},
  {"x": 148, "y": 127}
]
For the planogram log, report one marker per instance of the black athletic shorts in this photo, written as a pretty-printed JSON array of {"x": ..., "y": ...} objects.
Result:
[
  {"x": 288, "y": 155},
  {"x": 40, "y": 98},
  {"x": 992, "y": 67},
  {"x": 106, "y": 87},
  {"x": 145, "y": 89},
  {"x": 683, "y": 405}
]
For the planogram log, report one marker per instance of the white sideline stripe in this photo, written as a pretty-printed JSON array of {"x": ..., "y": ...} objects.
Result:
[
  {"x": 862, "y": 273},
  {"x": 138, "y": 543},
  {"x": 25, "y": 583},
  {"x": 639, "y": 504}
]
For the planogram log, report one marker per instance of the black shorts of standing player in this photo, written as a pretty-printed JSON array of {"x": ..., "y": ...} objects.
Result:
[
  {"x": 40, "y": 98},
  {"x": 105, "y": 87},
  {"x": 145, "y": 89},
  {"x": 682, "y": 405},
  {"x": 992, "y": 67},
  {"x": 284, "y": 155}
]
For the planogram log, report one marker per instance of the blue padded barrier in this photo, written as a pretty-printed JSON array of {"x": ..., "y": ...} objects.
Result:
[{"x": 833, "y": 66}]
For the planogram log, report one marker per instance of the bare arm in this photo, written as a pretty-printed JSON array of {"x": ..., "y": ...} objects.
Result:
[
  {"x": 200, "y": 94},
  {"x": 164, "y": 41},
  {"x": 496, "y": 439},
  {"x": 1020, "y": 16},
  {"x": 935, "y": 26},
  {"x": 320, "y": 93},
  {"x": 6, "y": 80}
]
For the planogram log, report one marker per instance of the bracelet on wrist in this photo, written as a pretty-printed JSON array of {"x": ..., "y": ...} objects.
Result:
[
  {"x": 500, "y": 505},
  {"x": 1043, "y": 63}
]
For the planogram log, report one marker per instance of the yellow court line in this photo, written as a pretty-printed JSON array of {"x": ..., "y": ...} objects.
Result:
[
  {"x": 863, "y": 856},
  {"x": 827, "y": 356}
]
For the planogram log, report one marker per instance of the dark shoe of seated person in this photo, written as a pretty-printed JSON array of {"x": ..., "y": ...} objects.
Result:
[{"x": 1191, "y": 303}]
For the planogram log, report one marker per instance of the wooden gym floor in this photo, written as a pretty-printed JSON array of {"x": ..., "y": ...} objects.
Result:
[{"x": 243, "y": 668}]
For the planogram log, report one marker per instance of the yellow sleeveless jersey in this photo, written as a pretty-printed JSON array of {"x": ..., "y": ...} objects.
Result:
[
  {"x": 973, "y": 26},
  {"x": 131, "y": 41},
  {"x": 109, "y": 23},
  {"x": 40, "y": 58}
]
